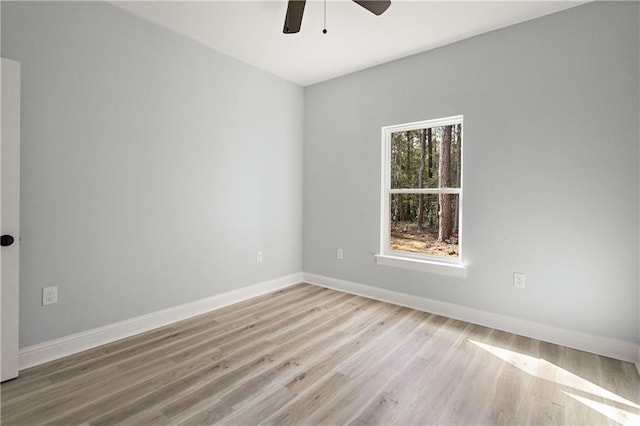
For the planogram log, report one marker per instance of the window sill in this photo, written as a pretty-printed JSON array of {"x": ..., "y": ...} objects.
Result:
[{"x": 442, "y": 268}]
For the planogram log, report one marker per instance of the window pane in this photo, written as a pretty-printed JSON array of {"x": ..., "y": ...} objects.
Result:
[
  {"x": 417, "y": 156},
  {"x": 418, "y": 227}
]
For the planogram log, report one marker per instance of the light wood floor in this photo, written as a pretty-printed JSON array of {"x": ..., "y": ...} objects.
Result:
[{"x": 309, "y": 355}]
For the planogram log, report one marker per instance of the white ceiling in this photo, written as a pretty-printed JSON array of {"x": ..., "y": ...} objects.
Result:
[{"x": 251, "y": 31}]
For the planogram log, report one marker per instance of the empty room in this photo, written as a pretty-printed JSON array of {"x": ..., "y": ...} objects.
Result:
[{"x": 322, "y": 213}]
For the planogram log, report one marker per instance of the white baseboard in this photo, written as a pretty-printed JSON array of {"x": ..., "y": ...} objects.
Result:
[
  {"x": 613, "y": 348},
  {"x": 58, "y": 348}
]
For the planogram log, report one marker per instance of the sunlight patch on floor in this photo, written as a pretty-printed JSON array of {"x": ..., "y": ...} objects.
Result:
[
  {"x": 543, "y": 369},
  {"x": 616, "y": 414}
]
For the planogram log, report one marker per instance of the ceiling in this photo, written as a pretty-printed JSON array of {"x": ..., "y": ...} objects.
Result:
[{"x": 251, "y": 31}]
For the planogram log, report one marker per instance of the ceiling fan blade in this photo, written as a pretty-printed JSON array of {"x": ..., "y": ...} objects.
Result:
[
  {"x": 293, "y": 18},
  {"x": 377, "y": 7}
]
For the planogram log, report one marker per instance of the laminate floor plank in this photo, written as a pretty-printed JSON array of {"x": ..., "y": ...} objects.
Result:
[
  {"x": 307, "y": 355},
  {"x": 232, "y": 330},
  {"x": 505, "y": 408},
  {"x": 438, "y": 392},
  {"x": 237, "y": 311},
  {"x": 372, "y": 380},
  {"x": 259, "y": 410},
  {"x": 285, "y": 359},
  {"x": 313, "y": 346},
  {"x": 263, "y": 382},
  {"x": 311, "y": 366},
  {"x": 394, "y": 357},
  {"x": 315, "y": 382},
  {"x": 180, "y": 396},
  {"x": 67, "y": 397},
  {"x": 477, "y": 383},
  {"x": 134, "y": 357},
  {"x": 130, "y": 395}
]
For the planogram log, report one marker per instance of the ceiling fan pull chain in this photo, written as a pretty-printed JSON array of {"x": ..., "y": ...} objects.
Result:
[{"x": 324, "y": 30}]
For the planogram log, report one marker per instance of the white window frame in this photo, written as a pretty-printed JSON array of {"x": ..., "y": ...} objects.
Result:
[{"x": 403, "y": 259}]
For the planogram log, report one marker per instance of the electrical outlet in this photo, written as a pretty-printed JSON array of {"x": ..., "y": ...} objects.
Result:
[
  {"x": 518, "y": 280},
  {"x": 339, "y": 254},
  {"x": 259, "y": 256},
  {"x": 49, "y": 295}
]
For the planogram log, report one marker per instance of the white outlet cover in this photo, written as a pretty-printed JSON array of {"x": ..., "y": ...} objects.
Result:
[
  {"x": 518, "y": 280},
  {"x": 49, "y": 295}
]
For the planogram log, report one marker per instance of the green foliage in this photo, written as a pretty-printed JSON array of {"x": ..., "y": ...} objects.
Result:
[
  {"x": 406, "y": 162},
  {"x": 405, "y": 158}
]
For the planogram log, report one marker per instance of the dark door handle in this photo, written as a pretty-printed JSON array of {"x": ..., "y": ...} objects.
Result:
[{"x": 6, "y": 240}]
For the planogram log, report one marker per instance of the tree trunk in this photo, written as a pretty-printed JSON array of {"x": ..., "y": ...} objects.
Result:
[
  {"x": 456, "y": 213},
  {"x": 444, "y": 180},
  {"x": 430, "y": 214},
  {"x": 430, "y": 146},
  {"x": 423, "y": 152},
  {"x": 408, "y": 176}
]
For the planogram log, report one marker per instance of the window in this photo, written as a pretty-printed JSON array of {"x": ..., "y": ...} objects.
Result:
[{"x": 422, "y": 196}]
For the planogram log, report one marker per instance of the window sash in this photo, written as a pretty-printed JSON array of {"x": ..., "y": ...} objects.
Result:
[
  {"x": 385, "y": 228},
  {"x": 385, "y": 248},
  {"x": 425, "y": 191}
]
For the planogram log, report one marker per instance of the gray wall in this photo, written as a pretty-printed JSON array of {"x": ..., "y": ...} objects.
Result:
[
  {"x": 153, "y": 168},
  {"x": 551, "y": 112}
]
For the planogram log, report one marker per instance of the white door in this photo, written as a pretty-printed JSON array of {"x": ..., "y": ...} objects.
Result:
[{"x": 9, "y": 216}]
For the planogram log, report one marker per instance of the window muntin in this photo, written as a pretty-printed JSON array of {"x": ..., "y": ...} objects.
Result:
[{"x": 421, "y": 183}]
